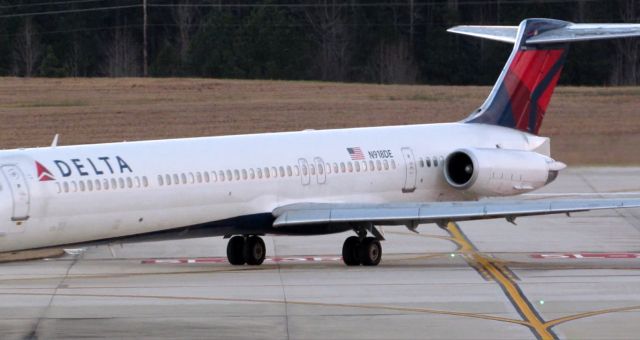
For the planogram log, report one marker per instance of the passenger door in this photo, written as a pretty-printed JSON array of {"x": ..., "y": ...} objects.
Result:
[{"x": 17, "y": 185}]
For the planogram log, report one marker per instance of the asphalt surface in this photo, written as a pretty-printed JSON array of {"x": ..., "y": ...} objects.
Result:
[{"x": 547, "y": 277}]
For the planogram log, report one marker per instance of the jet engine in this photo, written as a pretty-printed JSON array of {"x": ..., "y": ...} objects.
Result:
[{"x": 499, "y": 172}]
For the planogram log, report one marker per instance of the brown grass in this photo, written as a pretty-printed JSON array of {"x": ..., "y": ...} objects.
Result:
[{"x": 588, "y": 125}]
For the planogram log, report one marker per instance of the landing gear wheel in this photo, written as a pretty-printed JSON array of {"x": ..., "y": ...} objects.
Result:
[
  {"x": 235, "y": 250},
  {"x": 254, "y": 250},
  {"x": 370, "y": 252},
  {"x": 350, "y": 254}
]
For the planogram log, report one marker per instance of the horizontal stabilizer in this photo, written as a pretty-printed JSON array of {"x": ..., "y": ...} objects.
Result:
[
  {"x": 569, "y": 33},
  {"x": 584, "y": 32},
  {"x": 506, "y": 34}
]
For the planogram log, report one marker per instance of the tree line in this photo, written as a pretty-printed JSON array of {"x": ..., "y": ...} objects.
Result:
[{"x": 392, "y": 41}]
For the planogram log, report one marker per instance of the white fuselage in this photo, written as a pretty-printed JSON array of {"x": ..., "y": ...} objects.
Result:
[{"x": 94, "y": 192}]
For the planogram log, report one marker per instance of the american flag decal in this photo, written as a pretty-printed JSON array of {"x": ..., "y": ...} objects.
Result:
[{"x": 356, "y": 154}]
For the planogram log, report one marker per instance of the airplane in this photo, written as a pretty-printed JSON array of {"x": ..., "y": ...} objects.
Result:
[{"x": 310, "y": 182}]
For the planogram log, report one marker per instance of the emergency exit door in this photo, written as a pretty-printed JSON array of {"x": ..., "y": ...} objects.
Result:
[{"x": 19, "y": 192}]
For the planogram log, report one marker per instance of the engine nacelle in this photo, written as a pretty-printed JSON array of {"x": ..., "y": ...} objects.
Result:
[{"x": 499, "y": 172}]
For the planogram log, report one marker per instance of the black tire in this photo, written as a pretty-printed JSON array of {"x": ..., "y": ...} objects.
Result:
[
  {"x": 350, "y": 254},
  {"x": 235, "y": 251},
  {"x": 254, "y": 251},
  {"x": 370, "y": 252}
]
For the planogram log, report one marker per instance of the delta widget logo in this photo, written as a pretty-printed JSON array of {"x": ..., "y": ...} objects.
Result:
[{"x": 43, "y": 173}]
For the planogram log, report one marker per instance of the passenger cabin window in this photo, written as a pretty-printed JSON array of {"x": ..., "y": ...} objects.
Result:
[
  {"x": 357, "y": 166},
  {"x": 372, "y": 167},
  {"x": 160, "y": 180},
  {"x": 252, "y": 173},
  {"x": 145, "y": 181},
  {"x": 428, "y": 162},
  {"x": 435, "y": 162},
  {"x": 259, "y": 172}
]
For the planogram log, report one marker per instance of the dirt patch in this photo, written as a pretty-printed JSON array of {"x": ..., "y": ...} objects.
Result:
[
  {"x": 28, "y": 255},
  {"x": 589, "y": 126}
]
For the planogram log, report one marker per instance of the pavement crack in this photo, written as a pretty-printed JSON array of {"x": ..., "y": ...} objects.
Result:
[
  {"x": 284, "y": 291},
  {"x": 33, "y": 335}
]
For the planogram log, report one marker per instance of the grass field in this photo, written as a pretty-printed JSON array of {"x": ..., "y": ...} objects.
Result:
[{"x": 589, "y": 126}]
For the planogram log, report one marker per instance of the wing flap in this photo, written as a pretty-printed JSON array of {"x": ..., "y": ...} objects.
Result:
[{"x": 405, "y": 213}]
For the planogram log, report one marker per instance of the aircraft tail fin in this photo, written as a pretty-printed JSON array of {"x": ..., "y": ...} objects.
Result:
[{"x": 523, "y": 91}]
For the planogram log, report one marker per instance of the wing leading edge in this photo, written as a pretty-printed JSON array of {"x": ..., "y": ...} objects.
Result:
[{"x": 439, "y": 212}]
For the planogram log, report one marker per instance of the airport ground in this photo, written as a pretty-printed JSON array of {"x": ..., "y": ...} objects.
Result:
[
  {"x": 548, "y": 277},
  {"x": 589, "y": 126}
]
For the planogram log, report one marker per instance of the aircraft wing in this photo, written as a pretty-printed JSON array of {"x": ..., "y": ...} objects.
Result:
[{"x": 411, "y": 214}]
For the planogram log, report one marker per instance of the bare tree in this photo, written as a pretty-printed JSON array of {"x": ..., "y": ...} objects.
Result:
[
  {"x": 626, "y": 70},
  {"x": 333, "y": 39},
  {"x": 74, "y": 59},
  {"x": 184, "y": 17},
  {"x": 393, "y": 63},
  {"x": 122, "y": 56},
  {"x": 27, "y": 50}
]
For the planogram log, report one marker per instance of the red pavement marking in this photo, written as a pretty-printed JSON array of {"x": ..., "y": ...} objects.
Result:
[
  {"x": 224, "y": 260},
  {"x": 608, "y": 256}
]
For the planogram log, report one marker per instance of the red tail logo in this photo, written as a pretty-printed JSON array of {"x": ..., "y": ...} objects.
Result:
[{"x": 43, "y": 173}]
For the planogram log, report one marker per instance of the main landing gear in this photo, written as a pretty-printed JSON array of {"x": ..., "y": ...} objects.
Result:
[
  {"x": 246, "y": 249},
  {"x": 356, "y": 250},
  {"x": 362, "y": 250}
]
